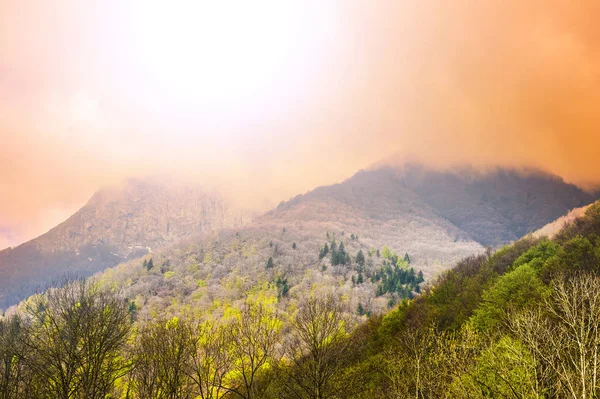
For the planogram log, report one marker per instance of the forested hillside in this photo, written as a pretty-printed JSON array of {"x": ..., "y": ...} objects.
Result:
[
  {"x": 494, "y": 207},
  {"x": 117, "y": 224},
  {"x": 521, "y": 322},
  {"x": 438, "y": 217}
]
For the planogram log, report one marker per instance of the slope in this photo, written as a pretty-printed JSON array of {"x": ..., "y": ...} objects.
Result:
[{"x": 117, "y": 223}]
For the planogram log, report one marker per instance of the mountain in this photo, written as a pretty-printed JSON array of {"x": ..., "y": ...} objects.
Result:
[
  {"x": 116, "y": 224},
  {"x": 385, "y": 213},
  {"x": 434, "y": 217},
  {"x": 494, "y": 207}
]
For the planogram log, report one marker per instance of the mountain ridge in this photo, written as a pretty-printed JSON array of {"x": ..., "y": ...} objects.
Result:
[{"x": 438, "y": 217}]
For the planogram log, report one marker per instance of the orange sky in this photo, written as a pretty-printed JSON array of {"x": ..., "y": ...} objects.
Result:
[{"x": 266, "y": 99}]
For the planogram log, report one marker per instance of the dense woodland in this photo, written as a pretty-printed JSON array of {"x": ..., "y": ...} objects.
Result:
[{"x": 522, "y": 322}]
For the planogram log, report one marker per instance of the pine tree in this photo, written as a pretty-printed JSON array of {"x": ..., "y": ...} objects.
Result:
[
  {"x": 360, "y": 258},
  {"x": 294, "y": 245},
  {"x": 269, "y": 264},
  {"x": 150, "y": 264},
  {"x": 360, "y": 309},
  {"x": 407, "y": 258}
]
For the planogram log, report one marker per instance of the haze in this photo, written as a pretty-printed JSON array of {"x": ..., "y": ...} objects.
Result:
[{"x": 267, "y": 99}]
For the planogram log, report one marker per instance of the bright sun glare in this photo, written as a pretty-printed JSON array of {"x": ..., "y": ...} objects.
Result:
[{"x": 219, "y": 51}]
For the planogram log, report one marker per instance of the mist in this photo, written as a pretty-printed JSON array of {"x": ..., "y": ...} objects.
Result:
[{"x": 506, "y": 83}]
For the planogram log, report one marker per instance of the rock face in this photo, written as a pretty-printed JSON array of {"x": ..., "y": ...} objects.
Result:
[{"x": 117, "y": 224}]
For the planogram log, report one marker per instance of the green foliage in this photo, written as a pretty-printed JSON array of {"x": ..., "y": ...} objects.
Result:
[
  {"x": 538, "y": 255},
  {"x": 511, "y": 292},
  {"x": 294, "y": 245},
  {"x": 339, "y": 255},
  {"x": 269, "y": 264},
  {"x": 504, "y": 370},
  {"x": 397, "y": 280},
  {"x": 282, "y": 287},
  {"x": 324, "y": 251},
  {"x": 360, "y": 259},
  {"x": 149, "y": 264}
]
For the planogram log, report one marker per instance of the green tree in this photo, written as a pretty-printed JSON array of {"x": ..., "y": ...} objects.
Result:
[
  {"x": 407, "y": 258},
  {"x": 512, "y": 291},
  {"x": 360, "y": 259},
  {"x": 269, "y": 264}
]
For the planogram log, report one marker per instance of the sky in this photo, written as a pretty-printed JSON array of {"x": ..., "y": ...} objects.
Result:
[{"x": 263, "y": 100}]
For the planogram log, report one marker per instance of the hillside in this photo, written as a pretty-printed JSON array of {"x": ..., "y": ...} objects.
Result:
[
  {"x": 495, "y": 325},
  {"x": 368, "y": 212},
  {"x": 116, "y": 224},
  {"x": 436, "y": 217},
  {"x": 494, "y": 207},
  {"x": 552, "y": 228}
]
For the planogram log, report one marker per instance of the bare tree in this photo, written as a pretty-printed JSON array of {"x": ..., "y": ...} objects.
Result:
[
  {"x": 253, "y": 338},
  {"x": 564, "y": 335},
  {"x": 73, "y": 338},
  {"x": 161, "y": 356},
  {"x": 210, "y": 361},
  {"x": 318, "y": 347},
  {"x": 14, "y": 374}
]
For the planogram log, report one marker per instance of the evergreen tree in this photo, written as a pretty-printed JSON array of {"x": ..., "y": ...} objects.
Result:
[
  {"x": 324, "y": 251},
  {"x": 294, "y": 245},
  {"x": 269, "y": 264},
  {"x": 360, "y": 259},
  {"x": 407, "y": 258},
  {"x": 150, "y": 264},
  {"x": 360, "y": 309},
  {"x": 360, "y": 278}
]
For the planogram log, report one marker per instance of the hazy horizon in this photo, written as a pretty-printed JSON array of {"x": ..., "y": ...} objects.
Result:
[{"x": 270, "y": 99}]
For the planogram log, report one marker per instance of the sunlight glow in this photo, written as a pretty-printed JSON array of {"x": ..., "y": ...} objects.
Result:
[{"x": 227, "y": 52}]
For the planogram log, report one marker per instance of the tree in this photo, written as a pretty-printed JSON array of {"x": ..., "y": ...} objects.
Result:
[
  {"x": 74, "y": 338},
  {"x": 269, "y": 264},
  {"x": 253, "y": 335},
  {"x": 149, "y": 265},
  {"x": 407, "y": 258},
  {"x": 324, "y": 251},
  {"x": 563, "y": 335},
  {"x": 513, "y": 290},
  {"x": 386, "y": 252},
  {"x": 294, "y": 245},
  {"x": 317, "y": 347},
  {"x": 360, "y": 259},
  {"x": 162, "y": 355},
  {"x": 210, "y": 361},
  {"x": 14, "y": 376}
]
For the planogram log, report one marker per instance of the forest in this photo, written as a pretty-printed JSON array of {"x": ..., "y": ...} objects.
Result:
[{"x": 521, "y": 322}]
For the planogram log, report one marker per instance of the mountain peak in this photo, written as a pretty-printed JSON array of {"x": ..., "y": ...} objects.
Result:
[{"x": 119, "y": 222}]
